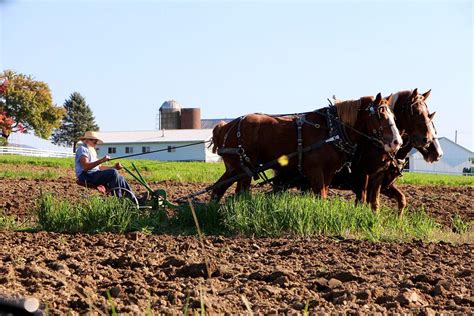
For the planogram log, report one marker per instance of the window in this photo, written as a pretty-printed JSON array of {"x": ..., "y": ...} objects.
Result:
[
  {"x": 145, "y": 149},
  {"x": 112, "y": 150},
  {"x": 171, "y": 149},
  {"x": 129, "y": 150}
]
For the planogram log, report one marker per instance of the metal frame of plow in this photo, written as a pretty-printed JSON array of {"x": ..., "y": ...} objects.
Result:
[{"x": 159, "y": 198}]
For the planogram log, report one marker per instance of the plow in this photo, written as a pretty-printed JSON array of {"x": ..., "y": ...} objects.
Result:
[{"x": 157, "y": 199}]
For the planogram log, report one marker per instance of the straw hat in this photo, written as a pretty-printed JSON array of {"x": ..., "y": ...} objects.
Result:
[{"x": 91, "y": 135}]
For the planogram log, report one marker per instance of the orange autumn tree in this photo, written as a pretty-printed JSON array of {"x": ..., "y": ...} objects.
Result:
[{"x": 26, "y": 105}]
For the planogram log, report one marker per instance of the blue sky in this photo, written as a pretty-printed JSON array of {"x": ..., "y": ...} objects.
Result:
[{"x": 233, "y": 58}]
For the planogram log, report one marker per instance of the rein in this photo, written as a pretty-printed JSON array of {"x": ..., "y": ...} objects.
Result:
[{"x": 164, "y": 149}]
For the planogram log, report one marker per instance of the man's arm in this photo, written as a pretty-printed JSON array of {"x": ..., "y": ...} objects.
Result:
[{"x": 86, "y": 165}]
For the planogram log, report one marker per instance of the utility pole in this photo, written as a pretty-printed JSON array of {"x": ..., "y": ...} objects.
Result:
[{"x": 456, "y": 136}]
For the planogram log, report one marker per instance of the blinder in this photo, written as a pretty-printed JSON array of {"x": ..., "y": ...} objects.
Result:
[{"x": 378, "y": 134}]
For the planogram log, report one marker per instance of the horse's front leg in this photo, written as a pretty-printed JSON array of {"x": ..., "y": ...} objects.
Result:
[
  {"x": 243, "y": 185},
  {"x": 360, "y": 188},
  {"x": 316, "y": 180},
  {"x": 373, "y": 190},
  {"x": 374, "y": 197},
  {"x": 395, "y": 193},
  {"x": 220, "y": 187}
]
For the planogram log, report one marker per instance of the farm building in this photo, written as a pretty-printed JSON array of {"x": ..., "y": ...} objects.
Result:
[
  {"x": 175, "y": 126},
  {"x": 133, "y": 142},
  {"x": 454, "y": 160}
]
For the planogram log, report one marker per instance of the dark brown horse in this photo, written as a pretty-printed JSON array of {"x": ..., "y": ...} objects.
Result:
[
  {"x": 372, "y": 170},
  {"x": 432, "y": 153},
  {"x": 255, "y": 139}
]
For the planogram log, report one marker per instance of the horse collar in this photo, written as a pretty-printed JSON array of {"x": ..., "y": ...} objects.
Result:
[{"x": 337, "y": 131}]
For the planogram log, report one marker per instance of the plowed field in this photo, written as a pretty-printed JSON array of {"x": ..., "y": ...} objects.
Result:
[{"x": 71, "y": 273}]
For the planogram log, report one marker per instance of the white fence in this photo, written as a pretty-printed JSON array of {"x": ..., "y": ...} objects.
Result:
[{"x": 33, "y": 152}]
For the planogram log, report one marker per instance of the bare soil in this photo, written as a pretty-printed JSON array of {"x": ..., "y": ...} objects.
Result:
[{"x": 72, "y": 272}]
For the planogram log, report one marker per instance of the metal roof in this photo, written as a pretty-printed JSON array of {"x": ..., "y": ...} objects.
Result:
[
  {"x": 157, "y": 136},
  {"x": 211, "y": 123},
  {"x": 170, "y": 105}
]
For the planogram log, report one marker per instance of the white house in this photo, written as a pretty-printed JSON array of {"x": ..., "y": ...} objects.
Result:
[
  {"x": 455, "y": 159},
  {"x": 118, "y": 144}
]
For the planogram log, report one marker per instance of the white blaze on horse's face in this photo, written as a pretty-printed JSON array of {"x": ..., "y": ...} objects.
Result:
[
  {"x": 397, "y": 141},
  {"x": 436, "y": 144}
]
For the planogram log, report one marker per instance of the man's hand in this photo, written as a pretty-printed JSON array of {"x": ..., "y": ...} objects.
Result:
[
  {"x": 105, "y": 158},
  {"x": 118, "y": 166}
]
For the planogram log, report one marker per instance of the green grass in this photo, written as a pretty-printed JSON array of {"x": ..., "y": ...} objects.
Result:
[
  {"x": 152, "y": 170},
  {"x": 281, "y": 214},
  {"x": 198, "y": 172},
  {"x": 7, "y": 222},
  {"x": 37, "y": 161},
  {"x": 96, "y": 214},
  {"x": 435, "y": 179},
  {"x": 29, "y": 174},
  {"x": 256, "y": 215}
]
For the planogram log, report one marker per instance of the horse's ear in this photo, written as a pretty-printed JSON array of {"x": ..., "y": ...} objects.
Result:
[
  {"x": 431, "y": 116},
  {"x": 378, "y": 98},
  {"x": 414, "y": 93},
  {"x": 426, "y": 94},
  {"x": 389, "y": 99}
]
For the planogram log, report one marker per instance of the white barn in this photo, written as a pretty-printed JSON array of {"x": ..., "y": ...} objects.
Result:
[
  {"x": 455, "y": 159},
  {"x": 134, "y": 142}
]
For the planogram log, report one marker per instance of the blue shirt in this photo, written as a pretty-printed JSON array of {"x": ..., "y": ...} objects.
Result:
[{"x": 87, "y": 152}]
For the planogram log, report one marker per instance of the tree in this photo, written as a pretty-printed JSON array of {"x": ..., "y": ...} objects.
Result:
[
  {"x": 76, "y": 122},
  {"x": 27, "y": 105}
]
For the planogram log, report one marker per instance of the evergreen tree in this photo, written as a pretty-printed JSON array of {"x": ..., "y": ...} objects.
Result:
[{"x": 76, "y": 122}]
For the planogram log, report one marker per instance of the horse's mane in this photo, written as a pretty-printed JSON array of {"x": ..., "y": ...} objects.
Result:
[
  {"x": 347, "y": 111},
  {"x": 399, "y": 95}
]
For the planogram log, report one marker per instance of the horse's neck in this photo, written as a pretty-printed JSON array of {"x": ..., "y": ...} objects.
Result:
[
  {"x": 404, "y": 151},
  {"x": 399, "y": 101},
  {"x": 353, "y": 136}
]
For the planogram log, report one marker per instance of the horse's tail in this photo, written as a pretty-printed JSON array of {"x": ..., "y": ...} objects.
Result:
[{"x": 216, "y": 136}]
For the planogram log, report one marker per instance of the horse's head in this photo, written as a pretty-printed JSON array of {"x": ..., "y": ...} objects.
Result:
[
  {"x": 378, "y": 121},
  {"x": 413, "y": 117},
  {"x": 433, "y": 152}
]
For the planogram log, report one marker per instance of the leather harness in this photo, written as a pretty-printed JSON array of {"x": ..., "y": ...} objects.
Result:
[{"x": 337, "y": 136}]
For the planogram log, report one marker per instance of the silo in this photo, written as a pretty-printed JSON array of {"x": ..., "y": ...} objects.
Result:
[
  {"x": 191, "y": 118},
  {"x": 170, "y": 115}
]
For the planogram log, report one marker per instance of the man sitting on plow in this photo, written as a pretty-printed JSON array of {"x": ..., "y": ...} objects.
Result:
[{"x": 89, "y": 171}]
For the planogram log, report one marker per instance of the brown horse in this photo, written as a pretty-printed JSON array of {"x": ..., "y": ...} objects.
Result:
[
  {"x": 256, "y": 139},
  {"x": 432, "y": 153},
  {"x": 372, "y": 169},
  {"x": 415, "y": 121}
]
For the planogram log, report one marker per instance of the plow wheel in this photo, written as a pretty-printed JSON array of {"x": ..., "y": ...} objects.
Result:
[{"x": 124, "y": 193}]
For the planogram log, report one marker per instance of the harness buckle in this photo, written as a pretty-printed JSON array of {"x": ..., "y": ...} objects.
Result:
[{"x": 332, "y": 139}]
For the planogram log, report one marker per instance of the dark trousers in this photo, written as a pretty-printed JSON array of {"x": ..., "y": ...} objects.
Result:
[{"x": 110, "y": 178}]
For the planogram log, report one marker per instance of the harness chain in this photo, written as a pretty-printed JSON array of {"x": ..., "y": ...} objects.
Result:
[
  {"x": 259, "y": 169},
  {"x": 337, "y": 136},
  {"x": 299, "y": 127}
]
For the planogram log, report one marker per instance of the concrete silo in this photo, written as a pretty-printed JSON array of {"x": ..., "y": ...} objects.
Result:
[{"x": 170, "y": 115}]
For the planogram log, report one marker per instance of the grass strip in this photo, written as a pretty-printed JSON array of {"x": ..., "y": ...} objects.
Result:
[
  {"x": 435, "y": 179},
  {"x": 197, "y": 172},
  {"x": 260, "y": 215}
]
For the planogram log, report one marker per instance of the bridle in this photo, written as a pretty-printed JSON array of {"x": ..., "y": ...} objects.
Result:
[
  {"x": 378, "y": 133},
  {"x": 420, "y": 100}
]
